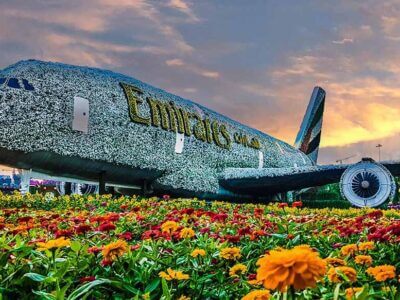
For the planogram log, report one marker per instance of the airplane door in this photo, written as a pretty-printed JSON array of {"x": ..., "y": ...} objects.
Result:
[{"x": 81, "y": 114}]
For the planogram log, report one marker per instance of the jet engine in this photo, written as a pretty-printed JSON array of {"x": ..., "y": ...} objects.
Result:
[{"x": 367, "y": 184}]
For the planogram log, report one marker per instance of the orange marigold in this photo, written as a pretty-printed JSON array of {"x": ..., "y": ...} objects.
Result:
[
  {"x": 335, "y": 262},
  {"x": 172, "y": 274},
  {"x": 349, "y": 249},
  {"x": 187, "y": 233},
  {"x": 366, "y": 246},
  {"x": 197, "y": 252},
  {"x": 237, "y": 269},
  {"x": 113, "y": 250},
  {"x": 299, "y": 267},
  {"x": 337, "y": 274},
  {"x": 382, "y": 273},
  {"x": 258, "y": 295},
  {"x": 169, "y": 227},
  {"x": 53, "y": 244},
  {"x": 352, "y": 292},
  {"x": 365, "y": 260},
  {"x": 230, "y": 253}
]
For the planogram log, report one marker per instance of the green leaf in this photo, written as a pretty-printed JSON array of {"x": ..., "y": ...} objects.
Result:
[
  {"x": 336, "y": 292},
  {"x": 86, "y": 288},
  {"x": 165, "y": 289},
  {"x": 152, "y": 285},
  {"x": 45, "y": 295},
  {"x": 76, "y": 246},
  {"x": 35, "y": 277}
]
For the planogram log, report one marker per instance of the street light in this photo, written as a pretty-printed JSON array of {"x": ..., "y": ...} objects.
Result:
[{"x": 379, "y": 146}]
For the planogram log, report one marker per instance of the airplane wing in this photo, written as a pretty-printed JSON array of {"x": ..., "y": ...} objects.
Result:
[{"x": 275, "y": 180}]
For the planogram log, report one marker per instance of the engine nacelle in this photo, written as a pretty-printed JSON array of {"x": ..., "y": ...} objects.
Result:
[{"x": 367, "y": 184}]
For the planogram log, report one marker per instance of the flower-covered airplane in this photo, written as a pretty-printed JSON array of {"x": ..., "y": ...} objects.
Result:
[{"x": 85, "y": 125}]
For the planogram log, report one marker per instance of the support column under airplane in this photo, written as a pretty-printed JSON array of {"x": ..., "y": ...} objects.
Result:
[{"x": 102, "y": 183}]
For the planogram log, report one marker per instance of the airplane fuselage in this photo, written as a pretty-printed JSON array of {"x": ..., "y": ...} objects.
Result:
[{"x": 135, "y": 133}]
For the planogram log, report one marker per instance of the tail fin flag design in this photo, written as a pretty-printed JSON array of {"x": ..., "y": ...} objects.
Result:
[{"x": 309, "y": 135}]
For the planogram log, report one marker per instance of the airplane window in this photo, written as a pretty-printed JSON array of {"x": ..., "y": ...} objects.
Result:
[
  {"x": 13, "y": 82},
  {"x": 2, "y": 80},
  {"x": 27, "y": 85}
]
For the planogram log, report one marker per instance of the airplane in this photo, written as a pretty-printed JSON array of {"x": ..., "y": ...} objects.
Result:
[{"x": 91, "y": 126}]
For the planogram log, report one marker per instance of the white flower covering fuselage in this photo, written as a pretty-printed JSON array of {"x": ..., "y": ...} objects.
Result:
[{"x": 41, "y": 120}]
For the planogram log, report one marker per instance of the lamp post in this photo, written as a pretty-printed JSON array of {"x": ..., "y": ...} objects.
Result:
[{"x": 379, "y": 146}]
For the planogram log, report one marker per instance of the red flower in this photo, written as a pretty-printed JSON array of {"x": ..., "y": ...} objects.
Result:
[
  {"x": 106, "y": 263},
  {"x": 107, "y": 226},
  {"x": 135, "y": 247},
  {"x": 282, "y": 205},
  {"x": 126, "y": 236},
  {"x": 166, "y": 197},
  {"x": 297, "y": 204},
  {"x": 82, "y": 229},
  {"x": 63, "y": 232},
  {"x": 94, "y": 250},
  {"x": 87, "y": 279}
]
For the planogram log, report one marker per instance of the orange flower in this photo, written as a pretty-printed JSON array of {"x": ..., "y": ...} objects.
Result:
[
  {"x": 365, "y": 260},
  {"x": 172, "y": 274},
  {"x": 113, "y": 250},
  {"x": 336, "y": 274},
  {"x": 54, "y": 244},
  {"x": 335, "y": 262},
  {"x": 237, "y": 269},
  {"x": 258, "y": 295},
  {"x": 351, "y": 292},
  {"x": 230, "y": 253},
  {"x": 366, "y": 246},
  {"x": 169, "y": 227},
  {"x": 197, "y": 252},
  {"x": 299, "y": 267},
  {"x": 349, "y": 249},
  {"x": 187, "y": 233},
  {"x": 382, "y": 273}
]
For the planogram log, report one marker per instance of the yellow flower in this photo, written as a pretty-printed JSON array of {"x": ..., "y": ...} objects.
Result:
[
  {"x": 366, "y": 246},
  {"x": 169, "y": 227},
  {"x": 237, "y": 269},
  {"x": 183, "y": 297},
  {"x": 187, "y": 233},
  {"x": 230, "y": 253},
  {"x": 299, "y": 267},
  {"x": 382, "y": 273},
  {"x": 365, "y": 260},
  {"x": 351, "y": 292},
  {"x": 349, "y": 249},
  {"x": 115, "y": 249},
  {"x": 257, "y": 295},
  {"x": 172, "y": 274},
  {"x": 336, "y": 274},
  {"x": 54, "y": 244},
  {"x": 146, "y": 296},
  {"x": 197, "y": 252},
  {"x": 335, "y": 262}
]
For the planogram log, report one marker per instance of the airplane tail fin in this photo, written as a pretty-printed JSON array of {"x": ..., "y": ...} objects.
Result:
[{"x": 309, "y": 135}]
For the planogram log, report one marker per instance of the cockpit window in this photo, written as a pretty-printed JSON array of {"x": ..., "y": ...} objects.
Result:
[
  {"x": 13, "y": 82},
  {"x": 27, "y": 85}
]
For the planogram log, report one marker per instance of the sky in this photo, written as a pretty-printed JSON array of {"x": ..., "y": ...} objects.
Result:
[{"x": 255, "y": 61}]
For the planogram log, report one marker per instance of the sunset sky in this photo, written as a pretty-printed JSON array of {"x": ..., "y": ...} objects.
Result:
[{"x": 255, "y": 61}]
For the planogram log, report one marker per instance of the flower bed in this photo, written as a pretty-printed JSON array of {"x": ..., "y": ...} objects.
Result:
[{"x": 100, "y": 247}]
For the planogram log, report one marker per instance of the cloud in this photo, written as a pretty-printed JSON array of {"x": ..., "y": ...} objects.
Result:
[
  {"x": 176, "y": 62},
  {"x": 184, "y": 7},
  {"x": 343, "y": 41}
]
